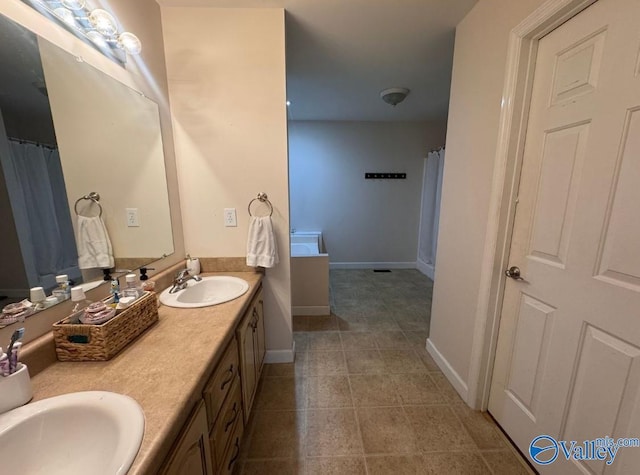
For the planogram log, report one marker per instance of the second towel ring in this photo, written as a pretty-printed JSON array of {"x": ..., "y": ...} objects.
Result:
[
  {"x": 93, "y": 196},
  {"x": 263, "y": 198}
]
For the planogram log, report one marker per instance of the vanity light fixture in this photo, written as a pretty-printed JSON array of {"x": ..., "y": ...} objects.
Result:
[
  {"x": 97, "y": 26},
  {"x": 74, "y": 4}
]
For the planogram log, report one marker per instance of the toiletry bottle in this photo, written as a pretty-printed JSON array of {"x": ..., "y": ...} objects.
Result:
[
  {"x": 63, "y": 285},
  {"x": 193, "y": 265},
  {"x": 132, "y": 289}
]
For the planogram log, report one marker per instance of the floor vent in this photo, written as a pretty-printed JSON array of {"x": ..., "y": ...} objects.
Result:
[{"x": 381, "y": 270}]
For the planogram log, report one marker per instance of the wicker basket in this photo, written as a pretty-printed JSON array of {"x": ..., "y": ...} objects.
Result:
[{"x": 79, "y": 342}]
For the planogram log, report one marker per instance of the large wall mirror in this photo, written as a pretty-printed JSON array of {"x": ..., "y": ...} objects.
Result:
[{"x": 67, "y": 130}]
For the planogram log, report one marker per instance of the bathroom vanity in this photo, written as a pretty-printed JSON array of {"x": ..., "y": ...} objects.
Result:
[
  {"x": 210, "y": 441},
  {"x": 194, "y": 374}
]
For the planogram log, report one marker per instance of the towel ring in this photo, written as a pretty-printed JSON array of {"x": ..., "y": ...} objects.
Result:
[
  {"x": 93, "y": 196},
  {"x": 263, "y": 198}
]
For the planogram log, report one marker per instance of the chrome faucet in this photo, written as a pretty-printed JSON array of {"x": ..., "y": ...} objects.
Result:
[{"x": 181, "y": 280}]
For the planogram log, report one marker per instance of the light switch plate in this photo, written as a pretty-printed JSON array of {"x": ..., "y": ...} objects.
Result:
[
  {"x": 230, "y": 218},
  {"x": 132, "y": 218}
]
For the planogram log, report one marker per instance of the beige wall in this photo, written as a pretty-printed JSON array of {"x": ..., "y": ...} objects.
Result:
[
  {"x": 359, "y": 218},
  {"x": 226, "y": 71},
  {"x": 474, "y": 112}
]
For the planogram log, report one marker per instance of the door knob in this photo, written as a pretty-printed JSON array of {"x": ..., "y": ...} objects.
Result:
[{"x": 514, "y": 273}]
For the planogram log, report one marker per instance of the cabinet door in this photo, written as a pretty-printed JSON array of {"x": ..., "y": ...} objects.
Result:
[
  {"x": 247, "y": 362},
  {"x": 259, "y": 345},
  {"x": 219, "y": 385},
  {"x": 191, "y": 455}
]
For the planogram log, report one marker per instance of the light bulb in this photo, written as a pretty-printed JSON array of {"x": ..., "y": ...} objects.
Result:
[
  {"x": 130, "y": 43},
  {"x": 66, "y": 16},
  {"x": 98, "y": 39},
  {"x": 103, "y": 22},
  {"x": 74, "y": 4}
]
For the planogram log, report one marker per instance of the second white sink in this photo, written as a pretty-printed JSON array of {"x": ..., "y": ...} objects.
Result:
[{"x": 211, "y": 290}]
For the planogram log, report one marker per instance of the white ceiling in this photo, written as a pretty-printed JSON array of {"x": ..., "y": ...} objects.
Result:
[{"x": 342, "y": 53}]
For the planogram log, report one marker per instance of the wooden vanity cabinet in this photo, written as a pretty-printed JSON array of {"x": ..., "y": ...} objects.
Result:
[
  {"x": 210, "y": 442},
  {"x": 192, "y": 455},
  {"x": 252, "y": 351}
]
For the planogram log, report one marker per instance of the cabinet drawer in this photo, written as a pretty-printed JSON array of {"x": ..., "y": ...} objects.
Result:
[
  {"x": 233, "y": 450},
  {"x": 220, "y": 383},
  {"x": 225, "y": 424}
]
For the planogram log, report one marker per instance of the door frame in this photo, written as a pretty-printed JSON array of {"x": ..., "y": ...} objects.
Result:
[{"x": 516, "y": 96}]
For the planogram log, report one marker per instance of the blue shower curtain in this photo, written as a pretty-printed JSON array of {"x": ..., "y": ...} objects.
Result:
[{"x": 39, "y": 172}]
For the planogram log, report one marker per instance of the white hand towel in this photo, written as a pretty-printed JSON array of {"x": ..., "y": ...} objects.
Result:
[
  {"x": 262, "y": 249},
  {"x": 94, "y": 245}
]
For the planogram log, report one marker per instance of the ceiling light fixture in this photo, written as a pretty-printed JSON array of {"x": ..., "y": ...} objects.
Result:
[
  {"x": 394, "y": 95},
  {"x": 96, "y": 26}
]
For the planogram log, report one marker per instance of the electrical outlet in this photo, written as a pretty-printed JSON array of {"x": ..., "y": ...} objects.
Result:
[
  {"x": 230, "y": 219},
  {"x": 132, "y": 218}
]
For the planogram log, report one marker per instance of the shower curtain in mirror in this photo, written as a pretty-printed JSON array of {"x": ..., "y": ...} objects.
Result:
[
  {"x": 50, "y": 234},
  {"x": 430, "y": 217}
]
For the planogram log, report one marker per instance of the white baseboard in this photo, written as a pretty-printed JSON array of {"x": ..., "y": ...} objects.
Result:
[
  {"x": 281, "y": 356},
  {"x": 451, "y": 374},
  {"x": 372, "y": 265},
  {"x": 315, "y": 311},
  {"x": 426, "y": 269}
]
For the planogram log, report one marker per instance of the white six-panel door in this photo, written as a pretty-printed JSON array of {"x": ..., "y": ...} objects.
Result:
[{"x": 568, "y": 353}]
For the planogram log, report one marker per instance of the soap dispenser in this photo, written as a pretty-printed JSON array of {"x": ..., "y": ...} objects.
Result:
[
  {"x": 145, "y": 283},
  {"x": 143, "y": 273}
]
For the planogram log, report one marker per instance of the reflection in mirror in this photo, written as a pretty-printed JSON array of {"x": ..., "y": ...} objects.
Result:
[{"x": 66, "y": 130}]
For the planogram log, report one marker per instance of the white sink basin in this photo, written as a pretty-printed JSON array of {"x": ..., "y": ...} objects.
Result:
[
  {"x": 94, "y": 432},
  {"x": 211, "y": 290}
]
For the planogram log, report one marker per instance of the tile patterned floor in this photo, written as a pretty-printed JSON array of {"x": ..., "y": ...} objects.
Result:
[{"x": 364, "y": 396}]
